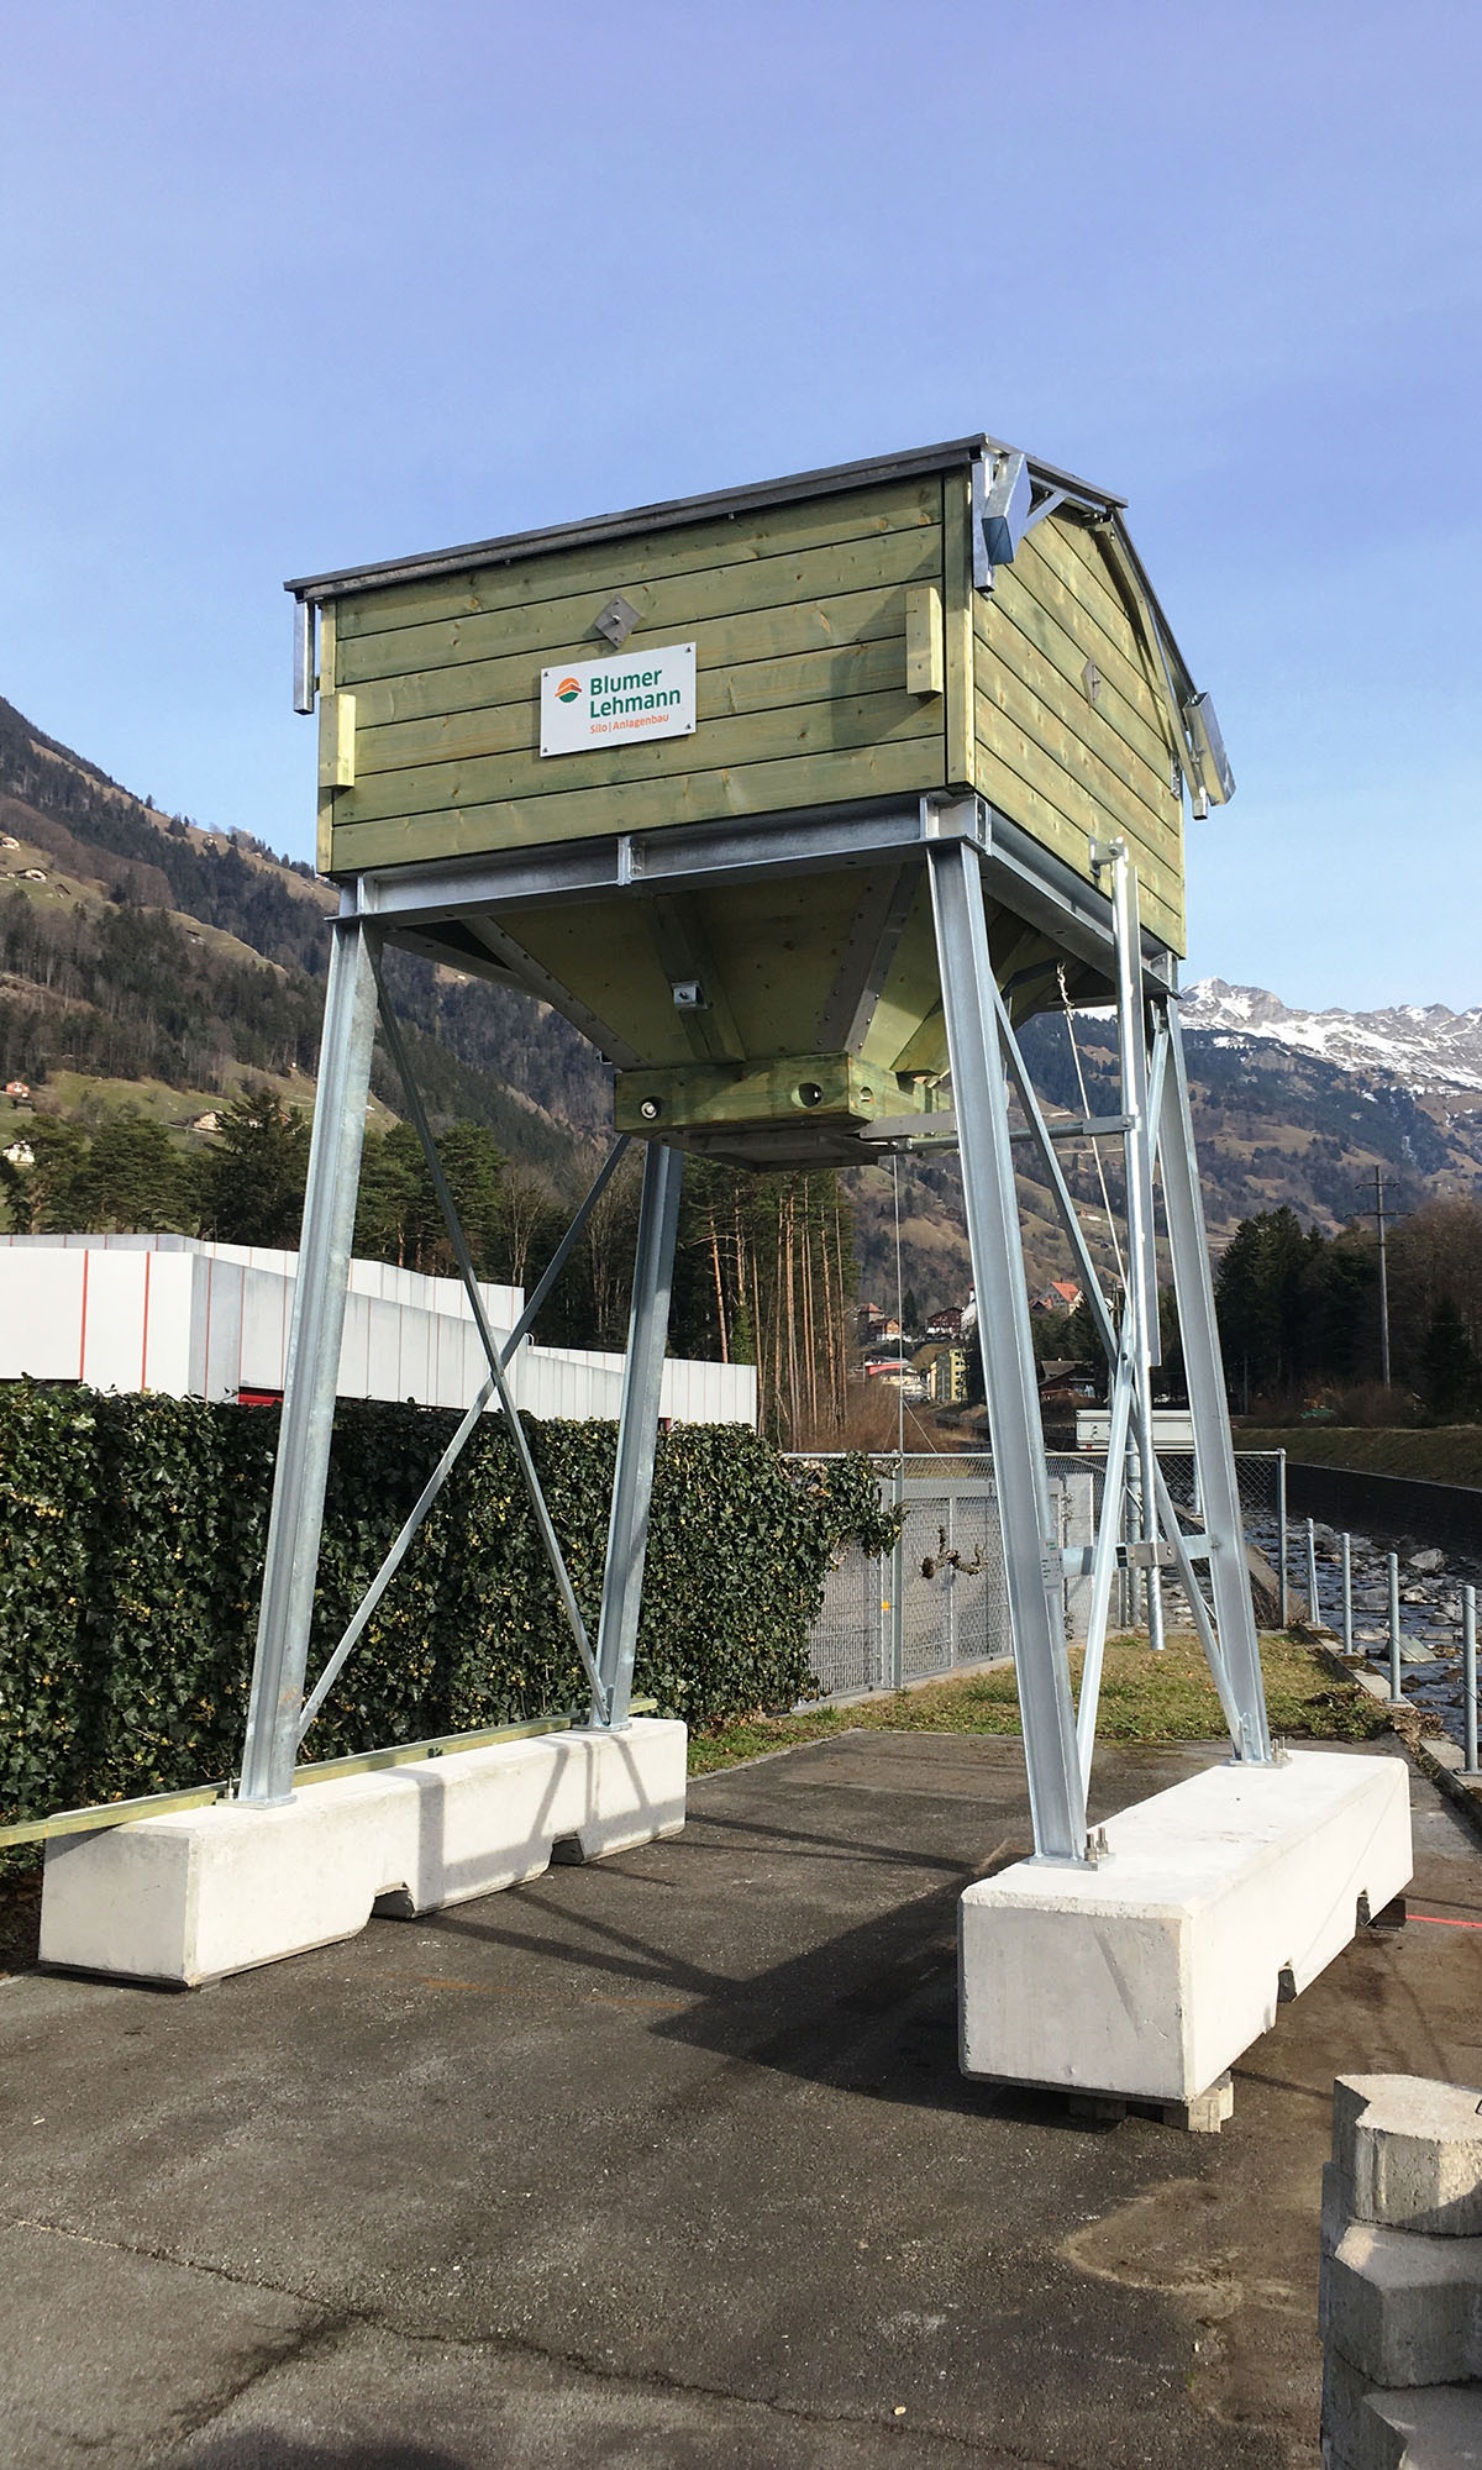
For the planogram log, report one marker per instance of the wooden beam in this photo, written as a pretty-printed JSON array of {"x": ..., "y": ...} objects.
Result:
[{"x": 926, "y": 666}]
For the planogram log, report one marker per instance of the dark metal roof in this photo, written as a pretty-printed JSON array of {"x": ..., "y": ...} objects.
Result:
[{"x": 956, "y": 455}]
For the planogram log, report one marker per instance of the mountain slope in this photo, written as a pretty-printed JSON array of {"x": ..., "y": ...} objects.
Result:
[
  {"x": 1290, "y": 1108},
  {"x": 1424, "y": 1046},
  {"x": 136, "y": 945}
]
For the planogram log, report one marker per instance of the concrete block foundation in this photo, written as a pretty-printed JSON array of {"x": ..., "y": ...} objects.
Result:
[
  {"x": 1149, "y": 1974},
  {"x": 198, "y": 1894}
]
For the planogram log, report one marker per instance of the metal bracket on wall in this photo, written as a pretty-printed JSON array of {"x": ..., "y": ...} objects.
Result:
[{"x": 305, "y": 656}]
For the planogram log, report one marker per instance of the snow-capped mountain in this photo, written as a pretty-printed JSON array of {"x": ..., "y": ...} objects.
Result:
[{"x": 1424, "y": 1047}]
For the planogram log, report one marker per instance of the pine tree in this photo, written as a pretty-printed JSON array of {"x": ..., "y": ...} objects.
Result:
[{"x": 253, "y": 1182}]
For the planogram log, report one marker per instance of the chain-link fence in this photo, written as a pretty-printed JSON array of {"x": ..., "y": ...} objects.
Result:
[{"x": 939, "y": 1601}]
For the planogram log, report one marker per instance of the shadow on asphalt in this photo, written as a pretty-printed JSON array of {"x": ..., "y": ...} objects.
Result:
[{"x": 872, "y": 2010}]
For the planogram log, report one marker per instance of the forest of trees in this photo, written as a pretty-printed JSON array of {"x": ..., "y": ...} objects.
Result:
[
  {"x": 1299, "y": 1314},
  {"x": 129, "y": 995}
]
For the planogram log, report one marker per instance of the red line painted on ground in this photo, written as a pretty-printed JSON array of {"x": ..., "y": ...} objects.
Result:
[{"x": 1442, "y": 1923}]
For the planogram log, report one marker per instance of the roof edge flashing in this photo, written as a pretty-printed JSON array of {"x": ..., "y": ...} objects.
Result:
[{"x": 957, "y": 454}]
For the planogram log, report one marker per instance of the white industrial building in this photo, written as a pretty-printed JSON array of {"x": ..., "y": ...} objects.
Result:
[{"x": 203, "y": 1320}]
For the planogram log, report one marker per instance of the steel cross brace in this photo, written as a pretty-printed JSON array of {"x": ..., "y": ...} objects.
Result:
[
  {"x": 1163, "y": 1122},
  {"x": 1126, "y": 1408},
  {"x": 391, "y": 1028},
  {"x": 454, "y": 1451}
]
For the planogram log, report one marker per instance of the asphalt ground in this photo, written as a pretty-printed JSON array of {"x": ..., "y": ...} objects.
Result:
[{"x": 667, "y": 2162}]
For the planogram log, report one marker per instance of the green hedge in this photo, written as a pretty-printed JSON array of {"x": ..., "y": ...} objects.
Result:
[{"x": 131, "y": 1542}]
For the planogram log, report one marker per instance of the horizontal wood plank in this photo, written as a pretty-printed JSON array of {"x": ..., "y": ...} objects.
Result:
[
  {"x": 753, "y": 635},
  {"x": 1090, "y": 816},
  {"x": 1020, "y": 629},
  {"x": 1090, "y": 590},
  {"x": 1036, "y": 588},
  {"x": 1006, "y": 707},
  {"x": 1048, "y": 803},
  {"x": 720, "y": 694},
  {"x": 598, "y": 569},
  {"x": 1016, "y": 669},
  {"x": 1083, "y": 802},
  {"x": 1075, "y": 553},
  {"x": 883, "y": 770},
  {"x": 752, "y": 738},
  {"x": 669, "y": 610}
]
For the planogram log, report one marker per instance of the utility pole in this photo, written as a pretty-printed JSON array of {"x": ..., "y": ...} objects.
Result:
[{"x": 1381, "y": 1217}]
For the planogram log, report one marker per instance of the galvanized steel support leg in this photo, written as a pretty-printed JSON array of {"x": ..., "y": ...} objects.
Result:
[
  {"x": 1219, "y": 1490},
  {"x": 638, "y": 1436},
  {"x": 1031, "y": 1548},
  {"x": 312, "y": 1376},
  {"x": 1142, "y": 1266}
]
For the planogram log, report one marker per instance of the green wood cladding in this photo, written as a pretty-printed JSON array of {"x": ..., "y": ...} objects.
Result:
[{"x": 842, "y": 655}]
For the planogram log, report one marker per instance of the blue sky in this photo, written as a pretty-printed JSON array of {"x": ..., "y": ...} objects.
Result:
[{"x": 286, "y": 289}]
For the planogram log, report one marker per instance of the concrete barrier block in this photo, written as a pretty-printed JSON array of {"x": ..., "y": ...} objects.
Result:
[
  {"x": 1409, "y": 2153},
  {"x": 1151, "y": 1973},
  {"x": 1404, "y": 2310},
  {"x": 198, "y": 1894},
  {"x": 1435, "y": 2427}
]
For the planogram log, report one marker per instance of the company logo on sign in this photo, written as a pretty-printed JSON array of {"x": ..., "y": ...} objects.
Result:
[{"x": 649, "y": 694}]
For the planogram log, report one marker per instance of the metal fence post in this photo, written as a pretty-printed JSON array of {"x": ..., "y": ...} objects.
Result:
[
  {"x": 898, "y": 1584},
  {"x": 311, "y": 1381},
  {"x": 1396, "y": 1688},
  {"x": 1283, "y": 1610},
  {"x": 638, "y": 1435},
  {"x": 951, "y": 1579},
  {"x": 1314, "y": 1608},
  {"x": 1347, "y": 1593},
  {"x": 1469, "y": 1677}
]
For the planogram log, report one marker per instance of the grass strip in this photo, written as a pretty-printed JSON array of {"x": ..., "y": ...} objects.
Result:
[
  {"x": 1144, "y": 1697},
  {"x": 1451, "y": 1454}
]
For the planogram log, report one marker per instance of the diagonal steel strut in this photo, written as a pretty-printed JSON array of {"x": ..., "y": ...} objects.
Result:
[
  {"x": 449, "y": 1459},
  {"x": 461, "y": 1255}
]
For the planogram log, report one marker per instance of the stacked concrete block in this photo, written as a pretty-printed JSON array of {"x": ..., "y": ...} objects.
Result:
[{"x": 1402, "y": 2276}]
